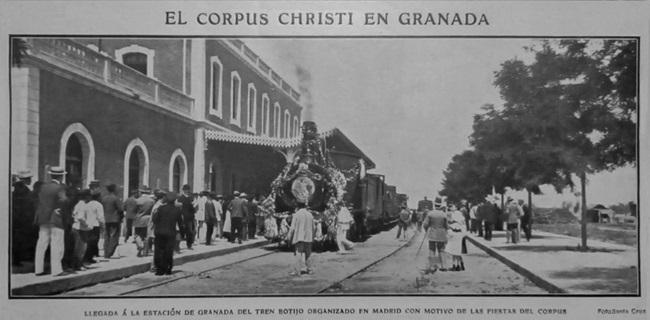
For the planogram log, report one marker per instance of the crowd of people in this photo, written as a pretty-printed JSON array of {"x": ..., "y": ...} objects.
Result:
[
  {"x": 515, "y": 216},
  {"x": 70, "y": 222},
  {"x": 440, "y": 221}
]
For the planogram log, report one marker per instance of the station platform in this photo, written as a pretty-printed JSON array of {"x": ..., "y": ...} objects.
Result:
[{"x": 555, "y": 263}]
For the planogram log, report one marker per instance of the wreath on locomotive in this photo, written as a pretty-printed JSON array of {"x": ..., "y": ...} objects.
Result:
[{"x": 313, "y": 179}]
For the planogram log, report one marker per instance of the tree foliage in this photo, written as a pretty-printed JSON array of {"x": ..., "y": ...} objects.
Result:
[{"x": 570, "y": 112}]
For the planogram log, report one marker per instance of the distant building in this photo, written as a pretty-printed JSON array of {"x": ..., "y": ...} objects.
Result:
[{"x": 158, "y": 112}]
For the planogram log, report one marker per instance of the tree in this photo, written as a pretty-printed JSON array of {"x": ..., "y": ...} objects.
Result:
[
  {"x": 463, "y": 178},
  {"x": 572, "y": 109}
]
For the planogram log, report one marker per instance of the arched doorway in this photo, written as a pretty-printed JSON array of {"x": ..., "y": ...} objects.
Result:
[
  {"x": 77, "y": 155},
  {"x": 74, "y": 162},
  {"x": 177, "y": 170},
  {"x": 136, "y": 166}
]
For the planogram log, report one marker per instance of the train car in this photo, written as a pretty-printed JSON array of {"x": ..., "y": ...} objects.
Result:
[
  {"x": 402, "y": 199},
  {"x": 391, "y": 205}
]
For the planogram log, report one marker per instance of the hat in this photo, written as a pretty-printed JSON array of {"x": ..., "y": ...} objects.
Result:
[
  {"x": 236, "y": 193},
  {"x": 56, "y": 171},
  {"x": 24, "y": 174},
  {"x": 219, "y": 196},
  {"x": 243, "y": 195},
  {"x": 186, "y": 187},
  {"x": 94, "y": 183},
  {"x": 438, "y": 202},
  {"x": 170, "y": 196},
  {"x": 145, "y": 189}
]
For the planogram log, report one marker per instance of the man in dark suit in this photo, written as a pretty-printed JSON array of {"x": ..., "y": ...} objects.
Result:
[
  {"x": 165, "y": 221},
  {"x": 22, "y": 207},
  {"x": 238, "y": 211},
  {"x": 489, "y": 213},
  {"x": 113, "y": 215},
  {"x": 49, "y": 218},
  {"x": 187, "y": 211}
]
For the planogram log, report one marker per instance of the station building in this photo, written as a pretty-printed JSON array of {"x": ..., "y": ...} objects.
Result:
[{"x": 160, "y": 112}]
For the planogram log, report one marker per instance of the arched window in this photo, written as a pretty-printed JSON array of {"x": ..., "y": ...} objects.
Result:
[
  {"x": 216, "y": 84},
  {"x": 137, "y": 57},
  {"x": 77, "y": 155},
  {"x": 235, "y": 98},
  {"x": 296, "y": 127},
  {"x": 266, "y": 108},
  {"x": 177, "y": 170},
  {"x": 287, "y": 123},
  {"x": 276, "y": 119},
  {"x": 251, "y": 107},
  {"x": 136, "y": 166}
]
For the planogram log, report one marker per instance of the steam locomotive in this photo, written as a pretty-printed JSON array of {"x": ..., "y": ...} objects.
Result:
[{"x": 328, "y": 171}]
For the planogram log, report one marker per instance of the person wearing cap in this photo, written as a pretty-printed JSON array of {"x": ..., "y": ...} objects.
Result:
[
  {"x": 113, "y": 214},
  {"x": 188, "y": 210},
  {"x": 167, "y": 219},
  {"x": 144, "y": 205},
  {"x": 435, "y": 225},
  {"x": 49, "y": 218},
  {"x": 301, "y": 235},
  {"x": 238, "y": 211},
  {"x": 23, "y": 233}
]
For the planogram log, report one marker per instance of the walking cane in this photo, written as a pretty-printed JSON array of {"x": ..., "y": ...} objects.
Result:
[{"x": 420, "y": 247}]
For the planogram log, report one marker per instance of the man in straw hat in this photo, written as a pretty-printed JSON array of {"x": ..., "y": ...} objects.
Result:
[
  {"x": 49, "y": 218},
  {"x": 435, "y": 225},
  {"x": 301, "y": 234},
  {"x": 238, "y": 210}
]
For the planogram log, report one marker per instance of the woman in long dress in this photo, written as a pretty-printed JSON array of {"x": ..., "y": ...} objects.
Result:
[{"x": 226, "y": 225}]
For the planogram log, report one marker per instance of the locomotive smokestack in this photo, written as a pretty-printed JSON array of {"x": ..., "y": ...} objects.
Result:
[{"x": 304, "y": 86}]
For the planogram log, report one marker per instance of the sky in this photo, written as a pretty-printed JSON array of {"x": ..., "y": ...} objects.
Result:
[{"x": 409, "y": 103}]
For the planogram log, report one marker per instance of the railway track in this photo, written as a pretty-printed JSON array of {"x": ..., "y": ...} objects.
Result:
[{"x": 322, "y": 286}]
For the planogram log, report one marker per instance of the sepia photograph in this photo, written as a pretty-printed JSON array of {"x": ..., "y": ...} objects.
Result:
[{"x": 324, "y": 166}]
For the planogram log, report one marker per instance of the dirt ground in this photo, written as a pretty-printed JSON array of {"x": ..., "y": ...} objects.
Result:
[
  {"x": 402, "y": 273},
  {"x": 615, "y": 233}
]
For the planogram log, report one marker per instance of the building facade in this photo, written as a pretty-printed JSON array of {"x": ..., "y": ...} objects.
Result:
[{"x": 157, "y": 112}]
